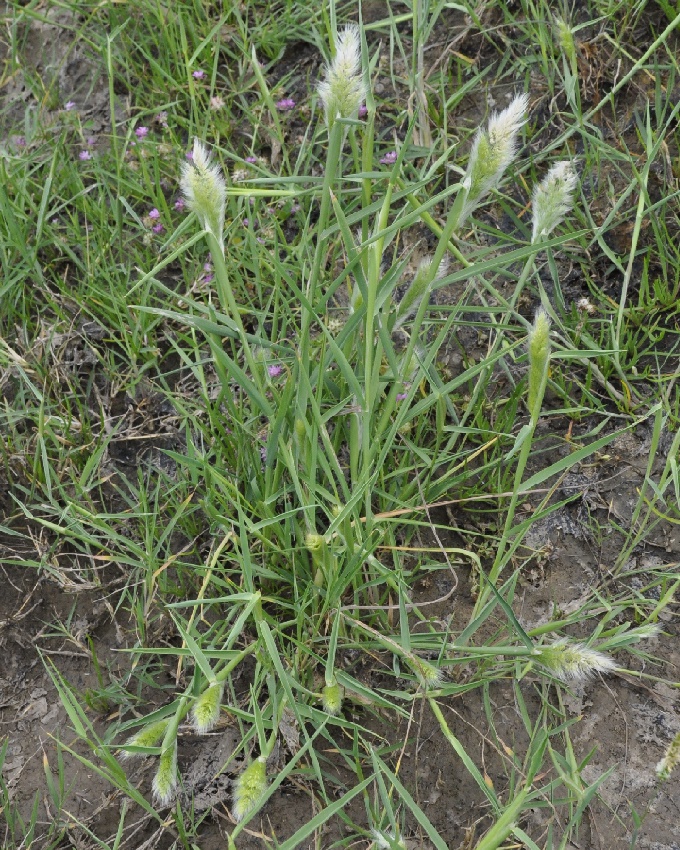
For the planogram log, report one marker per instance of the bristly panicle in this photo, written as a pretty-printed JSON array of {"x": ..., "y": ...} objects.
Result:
[{"x": 343, "y": 91}]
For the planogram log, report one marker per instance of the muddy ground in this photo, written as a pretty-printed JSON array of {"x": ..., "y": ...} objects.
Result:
[{"x": 47, "y": 622}]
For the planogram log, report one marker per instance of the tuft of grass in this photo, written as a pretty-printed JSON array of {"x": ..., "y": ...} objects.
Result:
[{"x": 269, "y": 296}]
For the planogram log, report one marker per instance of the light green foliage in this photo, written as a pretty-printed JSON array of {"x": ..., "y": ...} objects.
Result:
[{"x": 232, "y": 420}]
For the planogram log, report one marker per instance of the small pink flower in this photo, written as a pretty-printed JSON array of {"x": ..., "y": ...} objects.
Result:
[
  {"x": 180, "y": 204},
  {"x": 363, "y": 110},
  {"x": 246, "y": 222},
  {"x": 19, "y": 141},
  {"x": 275, "y": 370},
  {"x": 154, "y": 213},
  {"x": 158, "y": 228},
  {"x": 90, "y": 140},
  {"x": 401, "y": 396},
  {"x": 216, "y": 102},
  {"x": 251, "y": 159},
  {"x": 142, "y": 132},
  {"x": 198, "y": 75},
  {"x": 70, "y": 105},
  {"x": 84, "y": 155},
  {"x": 285, "y": 104},
  {"x": 189, "y": 155},
  {"x": 389, "y": 158}
]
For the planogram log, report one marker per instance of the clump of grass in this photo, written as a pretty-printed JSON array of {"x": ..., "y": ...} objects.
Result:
[{"x": 319, "y": 422}]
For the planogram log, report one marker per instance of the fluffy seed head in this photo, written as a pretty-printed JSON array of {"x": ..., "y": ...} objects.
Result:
[
  {"x": 149, "y": 736},
  {"x": 250, "y": 786},
  {"x": 553, "y": 199},
  {"x": 572, "y": 661},
  {"x": 386, "y": 840},
  {"x": 206, "y": 710},
  {"x": 342, "y": 91},
  {"x": 314, "y": 543},
  {"x": 331, "y": 697},
  {"x": 428, "y": 675},
  {"x": 670, "y": 760},
  {"x": 204, "y": 189},
  {"x": 492, "y": 151},
  {"x": 564, "y": 38},
  {"x": 165, "y": 780}
]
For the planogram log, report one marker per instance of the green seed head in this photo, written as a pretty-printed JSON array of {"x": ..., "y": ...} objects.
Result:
[
  {"x": 315, "y": 543},
  {"x": 206, "y": 710},
  {"x": 149, "y": 736},
  {"x": 564, "y": 38},
  {"x": 539, "y": 359},
  {"x": 250, "y": 786},
  {"x": 331, "y": 697},
  {"x": 428, "y": 675},
  {"x": 165, "y": 780}
]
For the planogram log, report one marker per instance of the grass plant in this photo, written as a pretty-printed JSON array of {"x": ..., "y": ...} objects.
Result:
[{"x": 260, "y": 269}]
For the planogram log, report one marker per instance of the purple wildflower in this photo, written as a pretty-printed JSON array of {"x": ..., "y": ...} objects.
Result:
[
  {"x": 251, "y": 159},
  {"x": 180, "y": 204},
  {"x": 363, "y": 111},
  {"x": 198, "y": 75},
  {"x": 90, "y": 140},
  {"x": 401, "y": 396},
  {"x": 246, "y": 222},
  {"x": 84, "y": 155},
  {"x": 285, "y": 104},
  {"x": 142, "y": 132},
  {"x": 70, "y": 105},
  {"x": 154, "y": 214},
  {"x": 189, "y": 155},
  {"x": 274, "y": 370},
  {"x": 158, "y": 228},
  {"x": 19, "y": 141},
  {"x": 389, "y": 159}
]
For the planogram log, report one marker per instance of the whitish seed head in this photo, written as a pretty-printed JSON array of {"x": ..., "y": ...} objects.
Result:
[
  {"x": 165, "y": 780},
  {"x": 331, "y": 697},
  {"x": 670, "y": 760},
  {"x": 206, "y": 710},
  {"x": 342, "y": 91},
  {"x": 492, "y": 151},
  {"x": 427, "y": 674},
  {"x": 386, "y": 840},
  {"x": 572, "y": 661},
  {"x": 149, "y": 736},
  {"x": 250, "y": 786},
  {"x": 204, "y": 189},
  {"x": 553, "y": 199}
]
